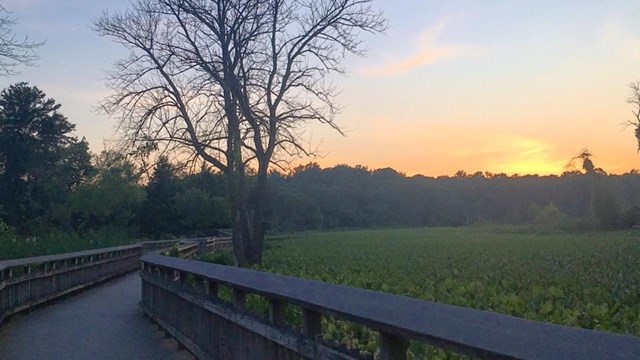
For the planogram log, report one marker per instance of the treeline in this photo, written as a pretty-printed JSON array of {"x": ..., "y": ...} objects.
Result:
[
  {"x": 112, "y": 197},
  {"x": 356, "y": 197},
  {"x": 171, "y": 202},
  {"x": 51, "y": 186},
  {"x": 50, "y": 182}
]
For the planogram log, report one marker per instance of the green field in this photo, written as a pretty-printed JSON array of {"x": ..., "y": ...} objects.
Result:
[{"x": 589, "y": 280}]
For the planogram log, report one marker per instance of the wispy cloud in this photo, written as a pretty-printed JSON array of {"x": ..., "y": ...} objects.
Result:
[{"x": 428, "y": 52}]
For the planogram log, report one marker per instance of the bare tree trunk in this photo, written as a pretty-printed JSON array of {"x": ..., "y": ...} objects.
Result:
[
  {"x": 241, "y": 235},
  {"x": 238, "y": 220},
  {"x": 260, "y": 207},
  {"x": 248, "y": 222}
]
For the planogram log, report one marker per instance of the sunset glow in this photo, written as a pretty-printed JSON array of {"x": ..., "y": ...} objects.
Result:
[{"x": 514, "y": 87}]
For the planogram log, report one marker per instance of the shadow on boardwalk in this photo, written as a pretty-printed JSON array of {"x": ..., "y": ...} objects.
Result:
[{"x": 101, "y": 323}]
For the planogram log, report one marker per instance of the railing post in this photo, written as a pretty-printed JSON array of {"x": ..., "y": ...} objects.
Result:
[
  {"x": 276, "y": 311},
  {"x": 312, "y": 323},
  {"x": 393, "y": 347},
  {"x": 200, "y": 285},
  {"x": 202, "y": 248},
  {"x": 212, "y": 289},
  {"x": 239, "y": 299}
]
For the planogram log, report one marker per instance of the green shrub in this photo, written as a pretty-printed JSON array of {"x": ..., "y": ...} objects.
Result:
[
  {"x": 631, "y": 217},
  {"x": 548, "y": 218},
  {"x": 222, "y": 257}
]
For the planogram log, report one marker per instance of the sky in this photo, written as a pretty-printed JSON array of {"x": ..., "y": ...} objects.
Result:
[{"x": 508, "y": 86}]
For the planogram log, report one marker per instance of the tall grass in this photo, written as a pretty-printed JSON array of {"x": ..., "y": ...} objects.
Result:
[{"x": 13, "y": 246}]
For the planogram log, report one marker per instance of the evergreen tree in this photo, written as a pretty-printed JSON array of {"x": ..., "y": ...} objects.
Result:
[
  {"x": 40, "y": 161},
  {"x": 158, "y": 209}
]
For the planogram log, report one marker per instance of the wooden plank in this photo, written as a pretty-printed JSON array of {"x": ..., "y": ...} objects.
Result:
[
  {"x": 239, "y": 299},
  {"x": 186, "y": 342},
  {"x": 467, "y": 331},
  {"x": 212, "y": 289},
  {"x": 393, "y": 347},
  {"x": 61, "y": 257},
  {"x": 311, "y": 323},
  {"x": 62, "y": 291},
  {"x": 281, "y": 336},
  {"x": 277, "y": 312},
  {"x": 56, "y": 270}
]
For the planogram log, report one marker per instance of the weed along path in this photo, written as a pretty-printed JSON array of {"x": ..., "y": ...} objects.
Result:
[{"x": 101, "y": 323}]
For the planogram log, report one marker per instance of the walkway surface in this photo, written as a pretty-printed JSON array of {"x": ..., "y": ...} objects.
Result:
[{"x": 101, "y": 323}]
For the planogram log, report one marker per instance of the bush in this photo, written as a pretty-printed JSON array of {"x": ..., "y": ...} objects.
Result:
[
  {"x": 547, "y": 218},
  {"x": 631, "y": 217}
]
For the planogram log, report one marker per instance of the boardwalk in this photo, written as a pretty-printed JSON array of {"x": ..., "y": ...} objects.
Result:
[{"x": 101, "y": 323}]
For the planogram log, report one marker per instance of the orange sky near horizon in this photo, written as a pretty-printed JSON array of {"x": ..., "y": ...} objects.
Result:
[
  {"x": 522, "y": 105},
  {"x": 499, "y": 86}
]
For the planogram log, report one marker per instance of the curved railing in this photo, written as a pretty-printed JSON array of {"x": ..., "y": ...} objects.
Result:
[
  {"x": 191, "y": 248},
  {"x": 28, "y": 282},
  {"x": 182, "y": 296}
]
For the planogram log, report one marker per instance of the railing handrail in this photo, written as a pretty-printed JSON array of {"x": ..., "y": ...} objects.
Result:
[
  {"x": 467, "y": 331},
  {"x": 159, "y": 241},
  {"x": 4, "y": 264},
  {"x": 28, "y": 282},
  {"x": 35, "y": 260},
  {"x": 226, "y": 236}
]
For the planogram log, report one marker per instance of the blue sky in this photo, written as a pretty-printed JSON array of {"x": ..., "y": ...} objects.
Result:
[{"x": 513, "y": 86}]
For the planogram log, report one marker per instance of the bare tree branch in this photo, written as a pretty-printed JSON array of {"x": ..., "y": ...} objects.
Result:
[
  {"x": 14, "y": 52},
  {"x": 233, "y": 82},
  {"x": 634, "y": 100}
]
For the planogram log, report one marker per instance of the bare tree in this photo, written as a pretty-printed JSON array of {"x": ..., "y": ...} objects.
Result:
[
  {"x": 233, "y": 82},
  {"x": 14, "y": 51},
  {"x": 634, "y": 100}
]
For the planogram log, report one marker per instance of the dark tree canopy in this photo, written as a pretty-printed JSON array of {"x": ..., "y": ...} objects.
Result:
[
  {"x": 40, "y": 160},
  {"x": 159, "y": 216},
  {"x": 111, "y": 197}
]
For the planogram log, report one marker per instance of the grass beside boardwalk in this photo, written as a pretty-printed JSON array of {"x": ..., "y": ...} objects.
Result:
[
  {"x": 14, "y": 247},
  {"x": 589, "y": 280}
]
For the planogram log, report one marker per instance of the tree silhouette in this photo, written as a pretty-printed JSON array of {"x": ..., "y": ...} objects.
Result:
[
  {"x": 233, "y": 82},
  {"x": 158, "y": 209},
  {"x": 634, "y": 100},
  {"x": 584, "y": 157},
  {"x": 40, "y": 161}
]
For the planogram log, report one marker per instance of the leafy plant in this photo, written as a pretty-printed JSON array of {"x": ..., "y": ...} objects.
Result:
[{"x": 583, "y": 280}]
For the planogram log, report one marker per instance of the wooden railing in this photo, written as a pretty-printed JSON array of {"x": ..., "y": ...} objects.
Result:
[
  {"x": 182, "y": 296},
  {"x": 29, "y": 282},
  {"x": 192, "y": 248},
  {"x": 189, "y": 248},
  {"x": 151, "y": 246}
]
